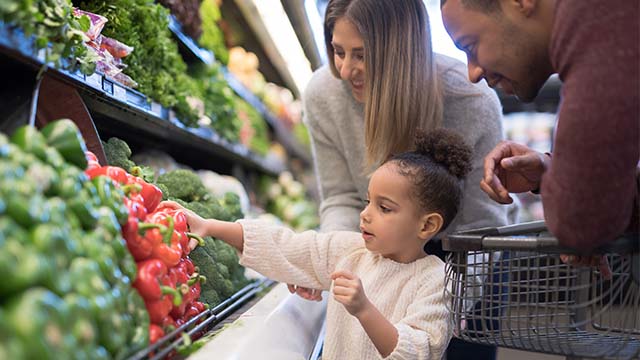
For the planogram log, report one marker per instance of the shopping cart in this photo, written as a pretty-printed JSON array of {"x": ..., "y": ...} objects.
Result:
[{"x": 508, "y": 287}]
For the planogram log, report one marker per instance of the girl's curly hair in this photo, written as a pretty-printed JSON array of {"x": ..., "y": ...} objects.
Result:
[{"x": 436, "y": 169}]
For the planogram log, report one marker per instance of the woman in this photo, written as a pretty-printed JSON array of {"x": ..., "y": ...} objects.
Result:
[{"x": 382, "y": 83}]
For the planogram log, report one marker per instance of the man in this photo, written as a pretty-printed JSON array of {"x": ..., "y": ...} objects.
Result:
[{"x": 589, "y": 186}]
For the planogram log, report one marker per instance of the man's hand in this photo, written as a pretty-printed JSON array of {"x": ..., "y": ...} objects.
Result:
[
  {"x": 596, "y": 260},
  {"x": 348, "y": 290},
  {"x": 305, "y": 293},
  {"x": 511, "y": 167}
]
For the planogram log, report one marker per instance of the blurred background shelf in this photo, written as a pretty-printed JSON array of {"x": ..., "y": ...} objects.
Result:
[{"x": 126, "y": 113}]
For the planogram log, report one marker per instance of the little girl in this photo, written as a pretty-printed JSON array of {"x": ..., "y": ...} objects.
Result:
[{"x": 388, "y": 299}]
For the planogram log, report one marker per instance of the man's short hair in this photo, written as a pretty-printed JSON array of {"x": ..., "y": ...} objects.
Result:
[{"x": 487, "y": 6}]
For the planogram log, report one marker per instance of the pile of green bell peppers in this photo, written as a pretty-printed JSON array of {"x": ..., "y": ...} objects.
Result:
[{"x": 66, "y": 272}]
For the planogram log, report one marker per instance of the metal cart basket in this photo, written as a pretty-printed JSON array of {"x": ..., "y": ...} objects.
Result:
[{"x": 508, "y": 287}]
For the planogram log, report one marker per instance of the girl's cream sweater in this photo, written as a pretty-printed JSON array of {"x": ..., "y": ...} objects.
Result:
[{"x": 409, "y": 295}]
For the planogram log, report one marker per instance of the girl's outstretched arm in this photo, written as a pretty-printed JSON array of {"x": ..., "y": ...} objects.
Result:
[{"x": 229, "y": 232}]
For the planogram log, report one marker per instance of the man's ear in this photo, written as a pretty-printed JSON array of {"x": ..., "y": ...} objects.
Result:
[
  {"x": 430, "y": 225},
  {"x": 524, "y": 7}
]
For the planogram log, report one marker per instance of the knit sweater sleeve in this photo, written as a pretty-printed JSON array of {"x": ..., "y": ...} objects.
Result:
[
  {"x": 425, "y": 331},
  {"x": 589, "y": 189},
  {"x": 306, "y": 259},
  {"x": 340, "y": 203}
]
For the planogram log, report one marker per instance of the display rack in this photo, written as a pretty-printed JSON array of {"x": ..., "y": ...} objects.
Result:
[
  {"x": 203, "y": 322},
  {"x": 113, "y": 104},
  {"x": 191, "y": 52}
]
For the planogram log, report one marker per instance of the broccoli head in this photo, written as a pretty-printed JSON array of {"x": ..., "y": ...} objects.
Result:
[
  {"x": 210, "y": 297},
  {"x": 183, "y": 184},
  {"x": 165, "y": 191},
  {"x": 118, "y": 153},
  {"x": 231, "y": 203},
  {"x": 226, "y": 255}
]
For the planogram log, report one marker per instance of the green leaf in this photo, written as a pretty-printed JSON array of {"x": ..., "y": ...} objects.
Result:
[{"x": 85, "y": 23}]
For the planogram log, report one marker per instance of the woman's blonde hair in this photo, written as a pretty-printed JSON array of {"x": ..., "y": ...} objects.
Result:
[{"x": 401, "y": 83}]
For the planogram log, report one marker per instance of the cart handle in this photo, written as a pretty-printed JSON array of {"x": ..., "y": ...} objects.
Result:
[{"x": 530, "y": 236}]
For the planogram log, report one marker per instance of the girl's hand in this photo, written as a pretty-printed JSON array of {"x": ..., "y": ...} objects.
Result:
[
  {"x": 305, "y": 293},
  {"x": 197, "y": 225},
  {"x": 348, "y": 290}
]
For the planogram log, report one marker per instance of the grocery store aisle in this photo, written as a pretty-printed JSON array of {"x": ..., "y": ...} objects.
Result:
[{"x": 510, "y": 354}]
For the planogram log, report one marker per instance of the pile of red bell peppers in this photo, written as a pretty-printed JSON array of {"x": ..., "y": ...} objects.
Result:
[{"x": 158, "y": 239}]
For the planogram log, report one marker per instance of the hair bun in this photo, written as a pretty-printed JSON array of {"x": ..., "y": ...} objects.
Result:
[{"x": 446, "y": 148}]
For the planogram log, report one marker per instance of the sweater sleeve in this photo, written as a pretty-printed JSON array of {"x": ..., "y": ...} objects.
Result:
[
  {"x": 306, "y": 259},
  {"x": 340, "y": 204},
  {"x": 426, "y": 330},
  {"x": 588, "y": 192}
]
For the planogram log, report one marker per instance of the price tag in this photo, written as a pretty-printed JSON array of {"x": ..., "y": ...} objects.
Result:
[
  {"x": 156, "y": 109},
  {"x": 119, "y": 93},
  {"x": 94, "y": 80}
]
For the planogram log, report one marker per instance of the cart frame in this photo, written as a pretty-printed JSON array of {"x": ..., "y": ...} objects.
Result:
[{"x": 508, "y": 287}]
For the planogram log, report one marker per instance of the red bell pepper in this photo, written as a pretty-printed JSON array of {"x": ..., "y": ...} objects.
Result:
[
  {"x": 169, "y": 324},
  {"x": 115, "y": 173},
  {"x": 158, "y": 309},
  {"x": 152, "y": 280},
  {"x": 155, "y": 333},
  {"x": 136, "y": 237},
  {"x": 92, "y": 160},
  {"x": 196, "y": 308},
  {"x": 168, "y": 249},
  {"x": 151, "y": 194},
  {"x": 188, "y": 264},
  {"x": 136, "y": 206}
]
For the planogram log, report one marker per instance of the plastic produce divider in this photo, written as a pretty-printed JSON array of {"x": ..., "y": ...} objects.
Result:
[
  {"x": 249, "y": 292},
  {"x": 172, "y": 340},
  {"x": 34, "y": 99}
]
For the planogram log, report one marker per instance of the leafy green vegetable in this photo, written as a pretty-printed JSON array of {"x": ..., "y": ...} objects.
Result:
[
  {"x": 218, "y": 101},
  {"x": 260, "y": 141},
  {"x": 155, "y": 62},
  {"x": 212, "y": 37},
  {"x": 56, "y": 29}
]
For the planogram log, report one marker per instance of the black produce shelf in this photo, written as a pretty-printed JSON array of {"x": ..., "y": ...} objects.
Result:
[
  {"x": 188, "y": 47},
  {"x": 282, "y": 133},
  {"x": 191, "y": 52},
  {"x": 202, "y": 323},
  {"x": 126, "y": 113}
]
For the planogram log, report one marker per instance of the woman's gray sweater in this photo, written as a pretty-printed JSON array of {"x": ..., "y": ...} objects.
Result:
[{"x": 336, "y": 125}]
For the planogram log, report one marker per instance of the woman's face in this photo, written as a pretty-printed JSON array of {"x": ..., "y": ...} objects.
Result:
[{"x": 348, "y": 55}]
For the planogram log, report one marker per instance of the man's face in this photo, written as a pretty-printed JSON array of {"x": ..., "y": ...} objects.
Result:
[{"x": 500, "y": 48}]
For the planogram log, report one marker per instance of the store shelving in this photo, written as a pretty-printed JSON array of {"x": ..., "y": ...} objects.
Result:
[
  {"x": 132, "y": 114},
  {"x": 188, "y": 47},
  {"x": 204, "y": 322},
  {"x": 193, "y": 53}
]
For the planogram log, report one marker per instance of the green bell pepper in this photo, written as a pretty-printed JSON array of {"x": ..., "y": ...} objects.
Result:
[
  {"x": 86, "y": 277},
  {"x": 5, "y": 148},
  {"x": 11, "y": 347},
  {"x": 44, "y": 176},
  {"x": 30, "y": 140},
  {"x": 112, "y": 197},
  {"x": 83, "y": 208},
  {"x": 71, "y": 182},
  {"x": 82, "y": 326},
  {"x": 64, "y": 136},
  {"x": 54, "y": 158},
  {"x": 37, "y": 315},
  {"x": 136, "y": 308},
  {"x": 21, "y": 264}
]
